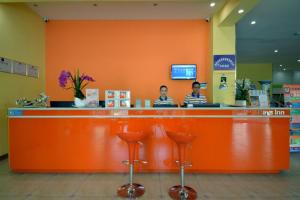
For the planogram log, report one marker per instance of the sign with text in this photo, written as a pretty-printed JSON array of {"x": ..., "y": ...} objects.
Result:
[
  {"x": 224, "y": 62},
  {"x": 273, "y": 112}
]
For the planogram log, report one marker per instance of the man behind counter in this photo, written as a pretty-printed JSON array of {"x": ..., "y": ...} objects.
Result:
[
  {"x": 195, "y": 98},
  {"x": 163, "y": 99}
]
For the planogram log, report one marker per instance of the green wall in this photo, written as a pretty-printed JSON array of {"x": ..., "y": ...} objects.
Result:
[
  {"x": 255, "y": 72},
  {"x": 22, "y": 38}
]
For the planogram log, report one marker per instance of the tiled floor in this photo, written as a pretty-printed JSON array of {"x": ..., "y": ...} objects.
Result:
[{"x": 284, "y": 186}]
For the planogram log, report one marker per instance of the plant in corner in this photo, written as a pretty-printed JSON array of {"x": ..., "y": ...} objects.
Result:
[
  {"x": 78, "y": 82},
  {"x": 242, "y": 89}
]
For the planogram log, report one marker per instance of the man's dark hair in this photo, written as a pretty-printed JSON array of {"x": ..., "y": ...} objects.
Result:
[
  {"x": 195, "y": 83},
  {"x": 163, "y": 86}
]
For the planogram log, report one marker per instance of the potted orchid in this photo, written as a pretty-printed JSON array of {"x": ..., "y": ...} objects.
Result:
[
  {"x": 242, "y": 91},
  {"x": 77, "y": 83}
]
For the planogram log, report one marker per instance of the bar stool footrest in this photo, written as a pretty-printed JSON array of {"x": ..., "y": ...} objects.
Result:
[
  {"x": 126, "y": 162},
  {"x": 185, "y": 164}
]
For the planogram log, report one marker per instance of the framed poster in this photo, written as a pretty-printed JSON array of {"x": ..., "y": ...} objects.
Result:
[
  {"x": 19, "y": 68},
  {"x": 32, "y": 71},
  {"x": 5, "y": 65}
]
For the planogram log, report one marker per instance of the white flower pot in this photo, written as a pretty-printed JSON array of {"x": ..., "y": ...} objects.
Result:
[
  {"x": 242, "y": 103},
  {"x": 79, "y": 103}
]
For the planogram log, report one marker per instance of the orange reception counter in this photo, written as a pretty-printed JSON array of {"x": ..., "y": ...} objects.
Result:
[{"x": 229, "y": 140}]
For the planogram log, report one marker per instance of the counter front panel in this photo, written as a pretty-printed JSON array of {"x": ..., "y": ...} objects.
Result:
[{"x": 84, "y": 140}]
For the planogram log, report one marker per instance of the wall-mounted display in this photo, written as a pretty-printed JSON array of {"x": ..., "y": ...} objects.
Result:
[{"x": 184, "y": 72}]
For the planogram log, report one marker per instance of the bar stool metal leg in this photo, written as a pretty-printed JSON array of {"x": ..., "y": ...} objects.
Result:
[
  {"x": 182, "y": 192},
  {"x": 131, "y": 190}
]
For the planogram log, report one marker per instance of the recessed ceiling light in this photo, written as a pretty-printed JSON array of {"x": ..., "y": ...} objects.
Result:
[
  {"x": 284, "y": 69},
  {"x": 253, "y": 22},
  {"x": 276, "y": 51},
  {"x": 212, "y": 4},
  {"x": 241, "y": 11},
  {"x": 280, "y": 65},
  {"x": 298, "y": 60}
]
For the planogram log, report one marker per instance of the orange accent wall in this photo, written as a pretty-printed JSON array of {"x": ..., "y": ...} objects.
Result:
[{"x": 126, "y": 54}]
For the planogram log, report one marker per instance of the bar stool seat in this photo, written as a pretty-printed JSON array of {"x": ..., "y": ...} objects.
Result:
[
  {"x": 131, "y": 190},
  {"x": 182, "y": 139}
]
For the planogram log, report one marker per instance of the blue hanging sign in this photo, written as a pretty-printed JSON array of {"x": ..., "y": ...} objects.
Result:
[{"x": 224, "y": 62}]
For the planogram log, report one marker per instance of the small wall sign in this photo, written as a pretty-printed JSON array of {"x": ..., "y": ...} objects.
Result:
[{"x": 224, "y": 62}]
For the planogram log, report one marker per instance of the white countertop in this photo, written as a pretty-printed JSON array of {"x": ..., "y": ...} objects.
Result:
[{"x": 151, "y": 108}]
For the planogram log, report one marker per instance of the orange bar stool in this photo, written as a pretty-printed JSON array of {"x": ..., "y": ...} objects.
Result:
[
  {"x": 132, "y": 138},
  {"x": 182, "y": 192}
]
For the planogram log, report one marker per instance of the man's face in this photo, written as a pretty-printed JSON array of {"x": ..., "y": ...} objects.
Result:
[
  {"x": 196, "y": 89},
  {"x": 163, "y": 92}
]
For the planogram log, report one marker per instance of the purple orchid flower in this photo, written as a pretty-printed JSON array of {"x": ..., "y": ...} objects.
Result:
[
  {"x": 87, "y": 78},
  {"x": 76, "y": 82},
  {"x": 63, "y": 78}
]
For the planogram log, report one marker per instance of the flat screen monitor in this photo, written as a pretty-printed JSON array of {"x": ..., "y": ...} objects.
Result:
[{"x": 184, "y": 72}]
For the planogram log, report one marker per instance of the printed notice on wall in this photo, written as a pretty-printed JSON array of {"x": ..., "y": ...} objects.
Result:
[
  {"x": 5, "y": 65},
  {"x": 19, "y": 68},
  {"x": 32, "y": 71}
]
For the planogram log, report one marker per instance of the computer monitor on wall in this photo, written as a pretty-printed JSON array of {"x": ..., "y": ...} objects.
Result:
[{"x": 183, "y": 71}]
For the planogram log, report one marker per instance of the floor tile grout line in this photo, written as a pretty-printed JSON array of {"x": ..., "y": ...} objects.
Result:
[{"x": 80, "y": 185}]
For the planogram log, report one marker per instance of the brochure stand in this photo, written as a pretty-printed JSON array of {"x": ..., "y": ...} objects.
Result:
[{"x": 292, "y": 99}]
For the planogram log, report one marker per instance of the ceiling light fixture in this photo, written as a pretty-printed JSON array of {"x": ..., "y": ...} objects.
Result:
[
  {"x": 253, "y": 22},
  {"x": 284, "y": 69},
  {"x": 212, "y": 4},
  {"x": 276, "y": 51},
  {"x": 241, "y": 11},
  {"x": 298, "y": 60},
  {"x": 280, "y": 65}
]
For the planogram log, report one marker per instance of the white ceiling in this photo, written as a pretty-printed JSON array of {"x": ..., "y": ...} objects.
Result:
[
  {"x": 277, "y": 22},
  {"x": 184, "y": 9}
]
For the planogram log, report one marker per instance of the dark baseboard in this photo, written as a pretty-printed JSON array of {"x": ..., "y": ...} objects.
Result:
[{"x": 3, "y": 157}]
